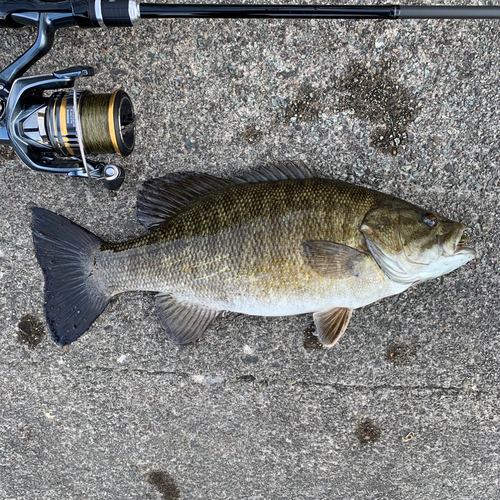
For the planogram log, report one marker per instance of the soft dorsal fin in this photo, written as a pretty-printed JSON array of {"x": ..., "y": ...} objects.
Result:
[
  {"x": 163, "y": 197},
  {"x": 183, "y": 321},
  {"x": 277, "y": 172},
  {"x": 332, "y": 260},
  {"x": 331, "y": 324}
]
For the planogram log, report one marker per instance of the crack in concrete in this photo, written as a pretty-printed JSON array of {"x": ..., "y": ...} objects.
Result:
[{"x": 212, "y": 379}]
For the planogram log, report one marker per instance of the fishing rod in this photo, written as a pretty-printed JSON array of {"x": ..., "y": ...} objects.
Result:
[{"x": 64, "y": 132}]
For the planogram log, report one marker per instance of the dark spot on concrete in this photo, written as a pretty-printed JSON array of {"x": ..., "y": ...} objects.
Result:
[
  {"x": 31, "y": 331},
  {"x": 247, "y": 378},
  {"x": 165, "y": 484},
  {"x": 263, "y": 383},
  {"x": 6, "y": 153},
  {"x": 251, "y": 134},
  {"x": 304, "y": 107},
  {"x": 288, "y": 74},
  {"x": 400, "y": 353},
  {"x": 250, "y": 360},
  {"x": 367, "y": 431},
  {"x": 311, "y": 341},
  {"x": 118, "y": 73},
  {"x": 378, "y": 98},
  {"x": 189, "y": 146}
]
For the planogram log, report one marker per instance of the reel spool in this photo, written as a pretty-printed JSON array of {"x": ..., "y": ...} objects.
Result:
[{"x": 107, "y": 123}]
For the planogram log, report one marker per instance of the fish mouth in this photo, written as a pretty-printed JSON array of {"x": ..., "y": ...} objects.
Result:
[
  {"x": 459, "y": 245},
  {"x": 462, "y": 242},
  {"x": 452, "y": 247}
]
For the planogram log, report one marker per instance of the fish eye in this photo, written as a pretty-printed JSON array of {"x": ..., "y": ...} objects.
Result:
[{"x": 430, "y": 220}]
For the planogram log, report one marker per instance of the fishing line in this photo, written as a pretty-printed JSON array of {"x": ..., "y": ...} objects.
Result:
[{"x": 107, "y": 123}]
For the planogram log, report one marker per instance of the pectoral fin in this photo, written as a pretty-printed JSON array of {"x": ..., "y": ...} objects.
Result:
[
  {"x": 331, "y": 324},
  {"x": 331, "y": 259},
  {"x": 183, "y": 321}
]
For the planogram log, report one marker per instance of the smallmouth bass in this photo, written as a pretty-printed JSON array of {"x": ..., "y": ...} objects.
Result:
[{"x": 274, "y": 242}]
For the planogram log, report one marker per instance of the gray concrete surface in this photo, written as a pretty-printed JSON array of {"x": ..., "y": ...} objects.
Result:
[{"x": 249, "y": 412}]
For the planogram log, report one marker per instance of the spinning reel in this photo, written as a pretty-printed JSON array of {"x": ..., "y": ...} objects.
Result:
[
  {"x": 61, "y": 132},
  {"x": 55, "y": 134}
]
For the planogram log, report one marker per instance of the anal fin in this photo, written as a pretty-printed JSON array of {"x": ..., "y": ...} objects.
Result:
[
  {"x": 331, "y": 324},
  {"x": 183, "y": 321}
]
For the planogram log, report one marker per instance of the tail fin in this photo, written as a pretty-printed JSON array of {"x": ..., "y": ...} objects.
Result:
[{"x": 66, "y": 253}]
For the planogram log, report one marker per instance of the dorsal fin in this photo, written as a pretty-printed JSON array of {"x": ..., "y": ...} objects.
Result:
[
  {"x": 277, "y": 172},
  {"x": 163, "y": 197}
]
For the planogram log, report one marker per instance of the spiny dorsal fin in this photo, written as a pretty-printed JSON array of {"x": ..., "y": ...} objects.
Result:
[
  {"x": 332, "y": 260},
  {"x": 331, "y": 324},
  {"x": 183, "y": 321},
  {"x": 163, "y": 197},
  {"x": 277, "y": 172}
]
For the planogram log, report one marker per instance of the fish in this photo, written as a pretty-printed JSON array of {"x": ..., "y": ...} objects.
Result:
[{"x": 276, "y": 241}]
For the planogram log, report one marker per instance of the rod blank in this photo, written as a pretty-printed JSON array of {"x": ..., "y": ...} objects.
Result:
[
  {"x": 449, "y": 12},
  {"x": 156, "y": 11}
]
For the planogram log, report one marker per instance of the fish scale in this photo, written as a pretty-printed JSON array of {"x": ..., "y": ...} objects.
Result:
[{"x": 243, "y": 240}]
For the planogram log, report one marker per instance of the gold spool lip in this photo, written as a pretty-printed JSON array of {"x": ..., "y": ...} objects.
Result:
[
  {"x": 111, "y": 122},
  {"x": 78, "y": 115},
  {"x": 64, "y": 125},
  {"x": 54, "y": 121}
]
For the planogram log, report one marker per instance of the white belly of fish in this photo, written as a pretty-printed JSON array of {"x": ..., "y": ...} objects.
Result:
[{"x": 351, "y": 293}]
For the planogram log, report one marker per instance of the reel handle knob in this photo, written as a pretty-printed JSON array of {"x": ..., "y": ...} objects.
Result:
[{"x": 113, "y": 176}]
